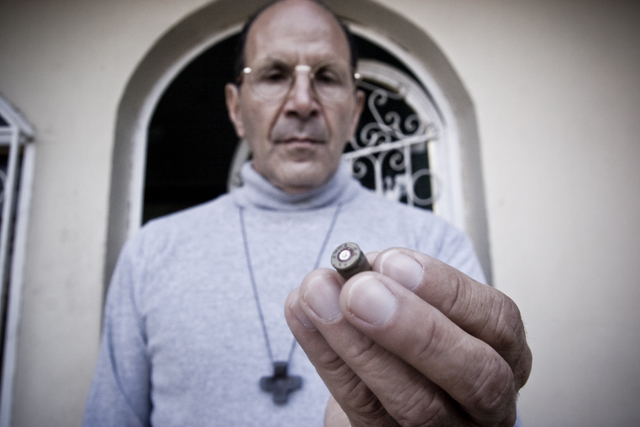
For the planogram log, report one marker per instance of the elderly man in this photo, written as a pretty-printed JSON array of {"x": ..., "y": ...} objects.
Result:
[{"x": 194, "y": 330}]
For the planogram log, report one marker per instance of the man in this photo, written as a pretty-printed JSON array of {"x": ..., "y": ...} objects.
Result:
[{"x": 194, "y": 332}]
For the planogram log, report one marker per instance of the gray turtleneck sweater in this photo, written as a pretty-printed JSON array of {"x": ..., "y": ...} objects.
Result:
[{"x": 182, "y": 340}]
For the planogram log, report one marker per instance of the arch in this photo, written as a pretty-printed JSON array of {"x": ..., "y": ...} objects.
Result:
[{"x": 216, "y": 21}]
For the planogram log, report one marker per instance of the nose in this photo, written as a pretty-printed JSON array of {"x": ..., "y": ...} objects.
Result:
[{"x": 301, "y": 100}]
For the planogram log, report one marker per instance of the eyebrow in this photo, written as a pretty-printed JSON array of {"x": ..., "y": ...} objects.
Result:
[{"x": 291, "y": 59}]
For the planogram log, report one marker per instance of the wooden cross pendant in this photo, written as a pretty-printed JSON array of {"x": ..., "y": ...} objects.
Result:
[{"x": 280, "y": 384}]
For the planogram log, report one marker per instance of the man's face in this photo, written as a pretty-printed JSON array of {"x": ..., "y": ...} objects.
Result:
[{"x": 296, "y": 140}]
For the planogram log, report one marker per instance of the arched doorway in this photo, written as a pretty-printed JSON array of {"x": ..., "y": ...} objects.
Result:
[
  {"x": 454, "y": 157},
  {"x": 193, "y": 154}
]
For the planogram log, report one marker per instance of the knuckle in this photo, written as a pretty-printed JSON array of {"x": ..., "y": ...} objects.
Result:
[
  {"x": 511, "y": 340},
  {"x": 423, "y": 412},
  {"x": 331, "y": 362},
  {"x": 353, "y": 392},
  {"x": 422, "y": 351},
  {"x": 363, "y": 352},
  {"x": 458, "y": 300},
  {"x": 369, "y": 408},
  {"x": 508, "y": 327},
  {"x": 523, "y": 367},
  {"x": 494, "y": 392},
  {"x": 510, "y": 419}
]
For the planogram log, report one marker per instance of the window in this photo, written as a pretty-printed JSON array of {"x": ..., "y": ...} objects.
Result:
[{"x": 16, "y": 168}]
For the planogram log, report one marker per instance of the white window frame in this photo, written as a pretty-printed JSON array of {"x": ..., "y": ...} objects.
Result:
[
  {"x": 17, "y": 136},
  {"x": 444, "y": 155}
]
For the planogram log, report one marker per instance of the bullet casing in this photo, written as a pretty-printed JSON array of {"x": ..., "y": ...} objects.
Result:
[{"x": 349, "y": 260}]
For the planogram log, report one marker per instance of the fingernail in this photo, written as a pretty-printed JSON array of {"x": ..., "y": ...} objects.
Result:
[
  {"x": 323, "y": 296},
  {"x": 371, "y": 301},
  {"x": 401, "y": 268},
  {"x": 299, "y": 314}
]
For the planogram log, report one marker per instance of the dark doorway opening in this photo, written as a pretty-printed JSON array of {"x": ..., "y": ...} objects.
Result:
[{"x": 191, "y": 141}]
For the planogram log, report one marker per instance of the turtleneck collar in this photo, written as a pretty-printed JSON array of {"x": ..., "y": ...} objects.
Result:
[{"x": 256, "y": 191}]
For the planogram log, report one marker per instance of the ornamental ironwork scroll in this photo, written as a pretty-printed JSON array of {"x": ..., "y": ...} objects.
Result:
[{"x": 389, "y": 152}]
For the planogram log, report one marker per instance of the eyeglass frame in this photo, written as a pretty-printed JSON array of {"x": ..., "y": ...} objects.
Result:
[{"x": 355, "y": 78}]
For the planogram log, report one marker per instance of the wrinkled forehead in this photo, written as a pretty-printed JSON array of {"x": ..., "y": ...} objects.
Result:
[{"x": 296, "y": 31}]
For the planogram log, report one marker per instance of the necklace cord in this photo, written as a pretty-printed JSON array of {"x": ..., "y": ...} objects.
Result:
[
  {"x": 253, "y": 284},
  {"x": 334, "y": 219}
]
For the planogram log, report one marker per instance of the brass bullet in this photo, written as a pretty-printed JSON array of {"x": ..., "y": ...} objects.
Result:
[{"x": 349, "y": 260}]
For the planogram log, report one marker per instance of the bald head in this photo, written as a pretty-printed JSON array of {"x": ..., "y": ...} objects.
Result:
[{"x": 321, "y": 10}]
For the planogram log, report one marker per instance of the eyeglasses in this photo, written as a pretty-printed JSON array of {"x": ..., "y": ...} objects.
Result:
[{"x": 330, "y": 81}]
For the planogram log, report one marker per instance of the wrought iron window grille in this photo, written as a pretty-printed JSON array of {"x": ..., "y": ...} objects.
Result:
[{"x": 390, "y": 153}]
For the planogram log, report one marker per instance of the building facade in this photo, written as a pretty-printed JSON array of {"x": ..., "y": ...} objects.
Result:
[{"x": 537, "y": 153}]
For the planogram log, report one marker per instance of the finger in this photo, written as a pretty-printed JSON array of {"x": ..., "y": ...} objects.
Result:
[
  {"x": 371, "y": 256},
  {"x": 465, "y": 367},
  {"x": 480, "y": 310},
  {"x": 334, "y": 416},
  {"x": 403, "y": 393},
  {"x": 341, "y": 381}
]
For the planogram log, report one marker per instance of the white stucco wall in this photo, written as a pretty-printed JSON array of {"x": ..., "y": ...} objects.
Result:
[
  {"x": 555, "y": 84},
  {"x": 557, "y": 91},
  {"x": 65, "y": 64}
]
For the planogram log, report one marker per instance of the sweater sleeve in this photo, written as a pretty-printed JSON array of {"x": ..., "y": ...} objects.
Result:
[
  {"x": 120, "y": 391},
  {"x": 457, "y": 250}
]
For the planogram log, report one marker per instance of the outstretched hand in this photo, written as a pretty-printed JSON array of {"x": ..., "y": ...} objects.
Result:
[{"x": 414, "y": 342}]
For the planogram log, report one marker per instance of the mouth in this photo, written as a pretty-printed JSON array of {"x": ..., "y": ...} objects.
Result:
[
  {"x": 302, "y": 141},
  {"x": 299, "y": 148}
]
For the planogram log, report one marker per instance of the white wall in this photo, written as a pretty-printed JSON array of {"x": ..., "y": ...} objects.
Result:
[
  {"x": 65, "y": 65},
  {"x": 556, "y": 89}
]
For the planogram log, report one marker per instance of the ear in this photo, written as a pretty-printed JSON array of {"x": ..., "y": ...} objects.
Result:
[
  {"x": 357, "y": 111},
  {"x": 232, "y": 96}
]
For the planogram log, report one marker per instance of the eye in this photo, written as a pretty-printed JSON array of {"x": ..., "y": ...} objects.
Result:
[
  {"x": 274, "y": 75},
  {"x": 325, "y": 75},
  {"x": 331, "y": 76}
]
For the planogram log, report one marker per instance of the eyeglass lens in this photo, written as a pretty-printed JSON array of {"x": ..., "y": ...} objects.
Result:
[{"x": 330, "y": 81}]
